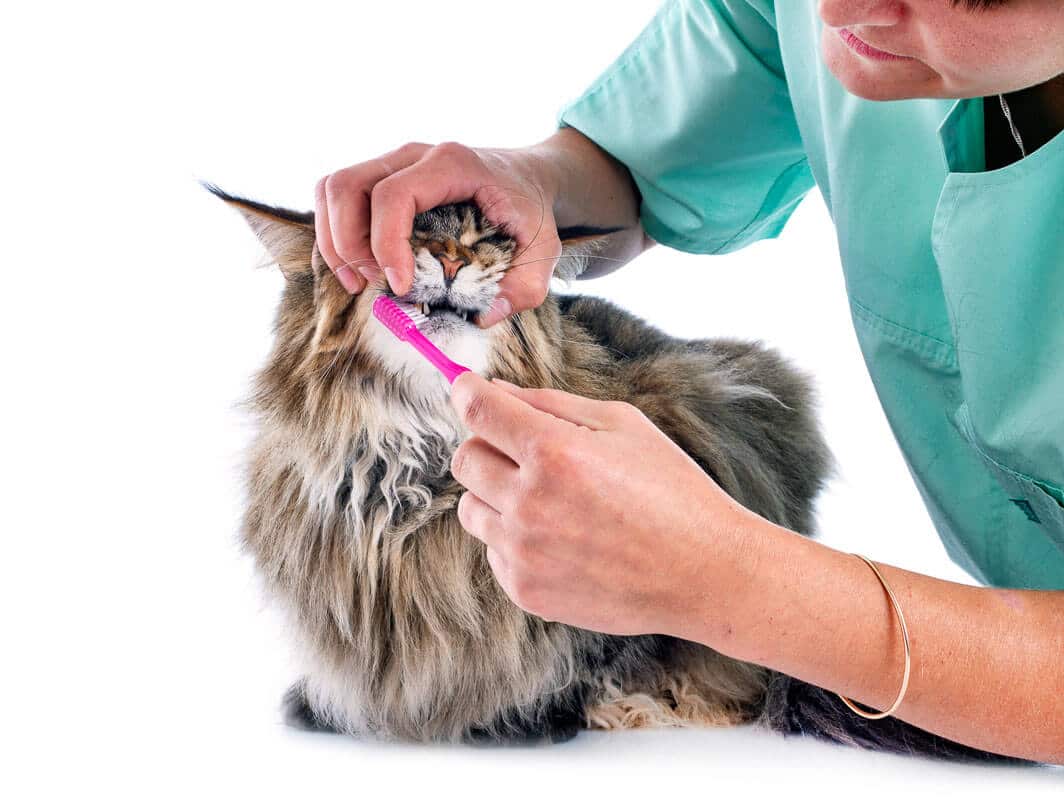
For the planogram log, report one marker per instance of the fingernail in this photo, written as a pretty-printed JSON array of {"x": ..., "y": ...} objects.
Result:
[
  {"x": 500, "y": 309},
  {"x": 501, "y": 382},
  {"x": 393, "y": 279},
  {"x": 348, "y": 279},
  {"x": 370, "y": 273}
]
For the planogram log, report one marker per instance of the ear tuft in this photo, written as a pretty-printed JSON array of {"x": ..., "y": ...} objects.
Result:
[
  {"x": 288, "y": 236},
  {"x": 579, "y": 245}
]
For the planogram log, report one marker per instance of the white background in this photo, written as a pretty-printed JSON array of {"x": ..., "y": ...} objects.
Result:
[{"x": 138, "y": 656}]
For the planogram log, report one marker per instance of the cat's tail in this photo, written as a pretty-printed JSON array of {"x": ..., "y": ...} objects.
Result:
[{"x": 794, "y": 707}]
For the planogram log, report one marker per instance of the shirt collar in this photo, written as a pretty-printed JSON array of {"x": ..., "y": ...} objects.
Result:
[{"x": 963, "y": 137}]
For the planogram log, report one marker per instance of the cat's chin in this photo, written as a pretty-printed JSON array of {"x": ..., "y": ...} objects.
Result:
[
  {"x": 444, "y": 326},
  {"x": 462, "y": 342}
]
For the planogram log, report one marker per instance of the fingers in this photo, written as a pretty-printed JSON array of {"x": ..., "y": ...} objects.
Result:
[
  {"x": 521, "y": 288},
  {"x": 481, "y": 520},
  {"x": 504, "y": 421},
  {"x": 348, "y": 278},
  {"x": 447, "y": 174},
  {"x": 502, "y": 570},
  {"x": 484, "y": 522},
  {"x": 594, "y": 414},
  {"x": 342, "y": 215},
  {"x": 511, "y": 572},
  {"x": 484, "y": 471},
  {"x": 529, "y": 218},
  {"x": 365, "y": 214}
]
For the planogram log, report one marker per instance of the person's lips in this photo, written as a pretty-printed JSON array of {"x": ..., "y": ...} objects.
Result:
[{"x": 861, "y": 47}]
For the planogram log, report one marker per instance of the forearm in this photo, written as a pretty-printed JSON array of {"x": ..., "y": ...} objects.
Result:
[
  {"x": 987, "y": 664},
  {"x": 591, "y": 188}
]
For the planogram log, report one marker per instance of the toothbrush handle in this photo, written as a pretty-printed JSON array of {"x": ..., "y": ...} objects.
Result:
[{"x": 449, "y": 369}]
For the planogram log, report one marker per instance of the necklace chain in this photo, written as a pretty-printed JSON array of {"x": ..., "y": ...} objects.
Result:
[{"x": 1012, "y": 127}]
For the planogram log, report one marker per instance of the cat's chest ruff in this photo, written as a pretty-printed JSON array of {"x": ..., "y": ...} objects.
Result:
[
  {"x": 464, "y": 344},
  {"x": 401, "y": 457}
]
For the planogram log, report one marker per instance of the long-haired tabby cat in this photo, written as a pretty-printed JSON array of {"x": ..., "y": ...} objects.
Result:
[{"x": 352, "y": 517}]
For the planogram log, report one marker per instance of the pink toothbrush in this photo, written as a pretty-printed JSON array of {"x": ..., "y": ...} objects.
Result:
[{"x": 398, "y": 321}]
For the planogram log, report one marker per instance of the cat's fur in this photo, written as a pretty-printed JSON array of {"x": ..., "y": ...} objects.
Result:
[{"x": 352, "y": 517}]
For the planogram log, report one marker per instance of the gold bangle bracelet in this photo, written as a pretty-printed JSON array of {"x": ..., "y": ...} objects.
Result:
[{"x": 908, "y": 660}]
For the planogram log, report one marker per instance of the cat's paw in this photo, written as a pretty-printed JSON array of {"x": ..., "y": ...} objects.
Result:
[
  {"x": 556, "y": 726},
  {"x": 298, "y": 714}
]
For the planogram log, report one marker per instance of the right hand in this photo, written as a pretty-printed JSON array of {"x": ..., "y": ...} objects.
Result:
[{"x": 364, "y": 216}]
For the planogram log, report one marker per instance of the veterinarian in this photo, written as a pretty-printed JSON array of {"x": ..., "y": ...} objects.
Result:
[{"x": 704, "y": 136}]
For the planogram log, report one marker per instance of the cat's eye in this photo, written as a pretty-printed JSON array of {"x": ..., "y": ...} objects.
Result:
[{"x": 495, "y": 240}]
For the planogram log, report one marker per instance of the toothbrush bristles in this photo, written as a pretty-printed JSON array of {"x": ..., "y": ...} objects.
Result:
[{"x": 411, "y": 311}]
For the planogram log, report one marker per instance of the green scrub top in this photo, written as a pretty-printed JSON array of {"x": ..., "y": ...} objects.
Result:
[{"x": 725, "y": 115}]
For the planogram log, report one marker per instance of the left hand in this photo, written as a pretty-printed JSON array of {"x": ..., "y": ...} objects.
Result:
[{"x": 591, "y": 515}]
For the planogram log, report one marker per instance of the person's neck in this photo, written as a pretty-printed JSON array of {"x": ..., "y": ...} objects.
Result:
[{"x": 1038, "y": 114}]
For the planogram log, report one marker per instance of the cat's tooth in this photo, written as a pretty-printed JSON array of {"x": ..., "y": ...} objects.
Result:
[{"x": 423, "y": 308}]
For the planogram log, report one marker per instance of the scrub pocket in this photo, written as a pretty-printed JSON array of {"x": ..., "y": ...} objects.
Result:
[
  {"x": 1036, "y": 499},
  {"x": 998, "y": 239}
]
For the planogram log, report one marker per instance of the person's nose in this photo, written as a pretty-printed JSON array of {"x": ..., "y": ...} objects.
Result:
[{"x": 844, "y": 13}]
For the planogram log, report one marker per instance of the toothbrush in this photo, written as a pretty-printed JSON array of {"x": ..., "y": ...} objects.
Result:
[{"x": 400, "y": 319}]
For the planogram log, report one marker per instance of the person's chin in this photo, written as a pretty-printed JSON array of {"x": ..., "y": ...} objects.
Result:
[{"x": 873, "y": 80}]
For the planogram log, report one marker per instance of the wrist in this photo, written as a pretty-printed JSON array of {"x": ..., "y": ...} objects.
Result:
[
  {"x": 779, "y": 599},
  {"x": 588, "y": 185},
  {"x": 525, "y": 168},
  {"x": 538, "y": 165},
  {"x": 710, "y": 588},
  {"x": 749, "y": 568},
  {"x": 554, "y": 162}
]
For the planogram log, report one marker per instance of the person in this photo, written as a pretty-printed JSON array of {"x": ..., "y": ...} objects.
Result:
[{"x": 949, "y": 206}]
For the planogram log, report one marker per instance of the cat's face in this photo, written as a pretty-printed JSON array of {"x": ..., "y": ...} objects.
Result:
[
  {"x": 329, "y": 345},
  {"x": 459, "y": 259}
]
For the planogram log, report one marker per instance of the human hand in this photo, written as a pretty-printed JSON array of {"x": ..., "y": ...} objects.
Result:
[
  {"x": 591, "y": 515},
  {"x": 364, "y": 216}
]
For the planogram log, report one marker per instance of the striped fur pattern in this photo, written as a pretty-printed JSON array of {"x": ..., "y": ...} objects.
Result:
[{"x": 351, "y": 510}]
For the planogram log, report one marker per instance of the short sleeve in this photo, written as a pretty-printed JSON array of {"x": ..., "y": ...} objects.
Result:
[{"x": 698, "y": 109}]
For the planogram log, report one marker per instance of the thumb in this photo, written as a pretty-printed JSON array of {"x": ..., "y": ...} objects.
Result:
[
  {"x": 572, "y": 408},
  {"x": 521, "y": 288}
]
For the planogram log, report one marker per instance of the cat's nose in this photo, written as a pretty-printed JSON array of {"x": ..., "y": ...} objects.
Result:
[{"x": 450, "y": 268}]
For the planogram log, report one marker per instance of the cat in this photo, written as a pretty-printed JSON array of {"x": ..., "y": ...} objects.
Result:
[{"x": 352, "y": 521}]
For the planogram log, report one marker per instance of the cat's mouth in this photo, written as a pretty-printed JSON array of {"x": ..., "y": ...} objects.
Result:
[
  {"x": 443, "y": 307},
  {"x": 448, "y": 326},
  {"x": 440, "y": 312}
]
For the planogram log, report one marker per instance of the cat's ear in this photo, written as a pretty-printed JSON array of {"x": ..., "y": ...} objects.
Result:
[
  {"x": 579, "y": 245},
  {"x": 288, "y": 236}
]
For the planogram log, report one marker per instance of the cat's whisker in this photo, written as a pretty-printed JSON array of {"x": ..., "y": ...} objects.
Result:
[
  {"x": 358, "y": 261},
  {"x": 509, "y": 192},
  {"x": 515, "y": 325},
  {"x": 539, "y": 228},
  {"x": 514, "y": 322},
  {"x": 553, "y": 258},
  {"x": 328, "y": 371}
]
